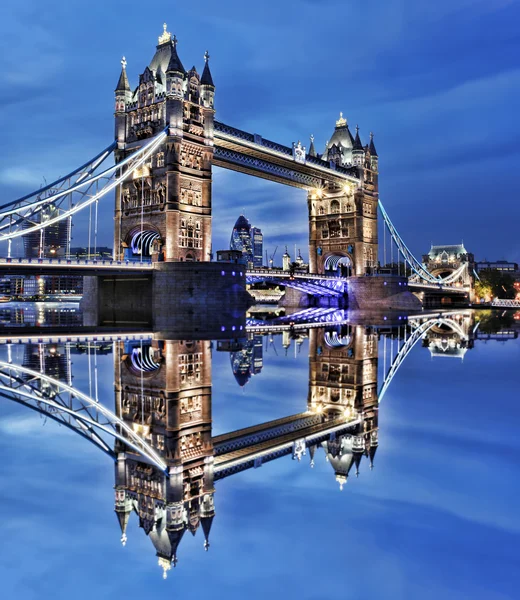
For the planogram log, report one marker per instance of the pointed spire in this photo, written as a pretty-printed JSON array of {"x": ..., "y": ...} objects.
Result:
[
  {"x": 312, "y": 150},
  {"x": 372, "y": 453},
  {"x": 175, "y": 64},
  {"x": 122, "y": 84},
  {"x": 206, "y": 78},
  {"x": 206, "y": 523},
  {"x": 123, "y": 517},
  {"x": 357, "y": 460},
  {"x": 372, "y": 147},
  {"x": 312, "y": 450},
  {"x": 357, "y": 141}
]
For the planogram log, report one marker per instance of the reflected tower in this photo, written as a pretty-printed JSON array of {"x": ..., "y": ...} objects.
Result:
[
  {"x": 163, "y": 392},
  {"x": 343, "y": 383}
]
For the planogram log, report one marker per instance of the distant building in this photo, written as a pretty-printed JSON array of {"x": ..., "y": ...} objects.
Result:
[
  {"x": 499, "y": 265},
  {"x": 49, "y": 242},
  {"x": 454, "y": 260},
  {"x": 258, "y": 246},
  {"x": 286, "y": 260},
  {"x": 234, "y": 256},
  {"x": 248, "y": 360},
  {"x": 103, "y": 252},
  {"x": 248, "y": 240}
]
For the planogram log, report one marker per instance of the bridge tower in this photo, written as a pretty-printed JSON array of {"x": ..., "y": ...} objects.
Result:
[
  {"x": 164, "y": 210},
  {"x": 343, "y": 219},
  {"x": 163, "y": 392},
  {"x": 343, "y": 383}
]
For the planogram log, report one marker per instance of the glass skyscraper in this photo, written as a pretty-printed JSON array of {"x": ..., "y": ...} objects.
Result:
[{"x": 248, "y": 240}]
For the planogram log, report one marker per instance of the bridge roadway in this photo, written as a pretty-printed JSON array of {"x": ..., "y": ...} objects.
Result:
[
  {"x": 253, "y": 446},
  {"x": 311, "y": 283},
  {"x": 71, "y": 266}
]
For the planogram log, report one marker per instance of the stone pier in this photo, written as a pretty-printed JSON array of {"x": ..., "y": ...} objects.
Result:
[{"x": 174, "y": 297}]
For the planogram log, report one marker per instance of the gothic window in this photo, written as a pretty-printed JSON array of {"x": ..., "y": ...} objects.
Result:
[
  {"x": 344, "y": 230},
  {"x": 334, "y": 229},
  {"x": 321, "y": 210},
  {"x": 334, "y": 373},
  {"x": 334, "y": 207},
  {"x": 325, "y": 232},
  {"x": 160, "y": 159},
  {"x": 350, "y": 206}
]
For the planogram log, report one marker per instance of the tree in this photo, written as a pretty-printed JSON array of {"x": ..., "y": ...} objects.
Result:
[
  {"x": 502, "y": 285},
  {"x": 483, "y": 291}
]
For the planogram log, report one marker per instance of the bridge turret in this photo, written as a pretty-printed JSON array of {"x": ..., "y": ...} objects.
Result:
[
  {"x": 206, "y": 84},
  {"x": 357, "y": 150},
  {"x": 175, "y": 89},
  {"x": 374, "y": 159},
  {"x": 123, "y": 97}
]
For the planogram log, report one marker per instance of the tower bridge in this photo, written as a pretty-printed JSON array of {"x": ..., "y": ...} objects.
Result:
[{"x": 167, "y": 141}]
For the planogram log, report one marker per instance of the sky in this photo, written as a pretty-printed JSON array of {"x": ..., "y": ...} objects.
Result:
[
  {"x": 435, "y": 81},
  {"x": 436, "y": 518}
]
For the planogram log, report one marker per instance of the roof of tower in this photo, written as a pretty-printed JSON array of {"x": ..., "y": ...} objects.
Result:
[
  {"x": 122, "y": 84},
  {"x": 166, "y": 57},
  {"x": 372, "y": 146},
  {"x": 357, "y": 141},
  {"x": 455, "y": 249},
  {"x": 206, "y": 78},
  {"x": 341, "y": 138}
]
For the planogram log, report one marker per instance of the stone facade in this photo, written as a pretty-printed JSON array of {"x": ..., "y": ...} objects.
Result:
[{"x": 169, "y": 197}]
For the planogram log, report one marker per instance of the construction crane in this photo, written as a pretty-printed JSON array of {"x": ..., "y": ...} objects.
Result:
[{"x": 271, "y": 260}]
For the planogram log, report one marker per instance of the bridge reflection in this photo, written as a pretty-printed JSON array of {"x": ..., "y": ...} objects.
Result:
[{"x": 167, "y": 460}]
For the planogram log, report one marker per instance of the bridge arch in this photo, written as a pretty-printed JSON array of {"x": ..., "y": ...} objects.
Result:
[
  {"x": 339, "y": 263},
  {"x": 142, "y": 241},
  {"x": 143, "y": 360}
]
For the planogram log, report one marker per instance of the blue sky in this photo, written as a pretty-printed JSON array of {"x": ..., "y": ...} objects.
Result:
[
  {"x": 436, "y": 518},
  {"x": 435, "y": 81}
]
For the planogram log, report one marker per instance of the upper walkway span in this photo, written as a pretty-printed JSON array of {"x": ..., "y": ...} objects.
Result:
[{"x": 253, "y": 155}]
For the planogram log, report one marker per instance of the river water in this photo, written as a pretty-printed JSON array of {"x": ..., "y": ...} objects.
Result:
[{"x": 373, "y": 459}]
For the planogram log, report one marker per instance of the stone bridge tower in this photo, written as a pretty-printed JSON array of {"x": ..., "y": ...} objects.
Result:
[
  {"x": 343, "y": 383},
  {"x": 343, "y": 219},
  {"x": 164, "y": 210},
  {"x": 163, "y": 392}
]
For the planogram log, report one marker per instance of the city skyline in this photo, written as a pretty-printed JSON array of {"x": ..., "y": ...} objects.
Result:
[{"x": 421, "y": 167}]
